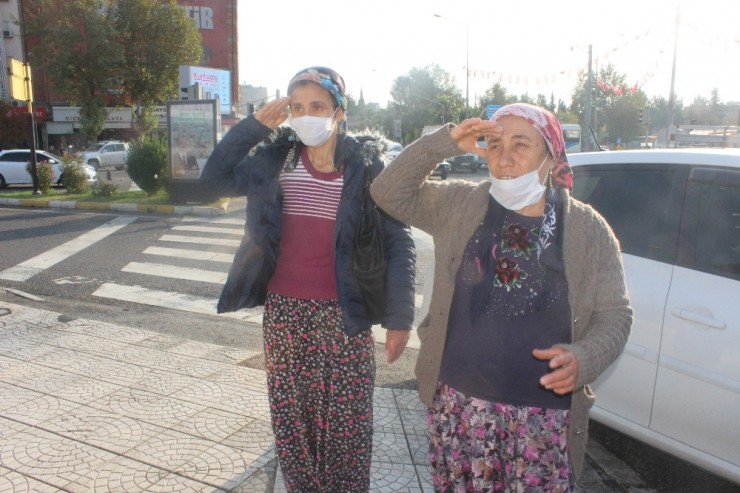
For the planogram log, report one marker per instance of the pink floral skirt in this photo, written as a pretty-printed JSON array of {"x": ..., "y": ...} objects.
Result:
[
  {"x": 320, "y": 389},
  {"x": 482, "y": 446}
]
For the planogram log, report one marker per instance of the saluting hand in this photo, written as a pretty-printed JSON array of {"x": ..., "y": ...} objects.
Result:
[
  {"x": 273, "y": 113},
  {"x": 467, "y": 133},
  {"x": 564, "y": 364}
]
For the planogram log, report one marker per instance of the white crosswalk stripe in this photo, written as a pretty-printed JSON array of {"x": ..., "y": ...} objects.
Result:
[
  {"x": 190, "y": 254},
  {"x": 31, "y": 267},
  {"x": 200, "y": 240},
  {"x": 175, "y": 272}
]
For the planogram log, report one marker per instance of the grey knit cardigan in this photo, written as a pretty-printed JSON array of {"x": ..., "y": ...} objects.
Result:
[{"x": 451, "y": 212}]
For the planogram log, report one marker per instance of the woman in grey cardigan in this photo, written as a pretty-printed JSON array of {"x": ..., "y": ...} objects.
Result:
[{"x": 529, "y": 303}]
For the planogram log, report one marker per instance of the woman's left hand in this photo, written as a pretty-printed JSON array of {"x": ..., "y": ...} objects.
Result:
[
  {"x": 395, "y": 343},
  {"x": 564, "y": 364}
]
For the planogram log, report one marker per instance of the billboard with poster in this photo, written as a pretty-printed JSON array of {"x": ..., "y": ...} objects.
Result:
[
  {"x": 192, "y": 130},
  {"x": 214, "y": 83}
]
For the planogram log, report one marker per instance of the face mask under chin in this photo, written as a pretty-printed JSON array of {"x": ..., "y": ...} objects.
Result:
[{"x": 520, "y": 192}]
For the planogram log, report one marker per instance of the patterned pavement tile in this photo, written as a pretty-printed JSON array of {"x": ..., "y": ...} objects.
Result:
[
  {"x": 261, "y": 481},
  {"x": 129, "y": 335},
  {"x": 419, "y": 446},
  {"x": 72, "y": 387},
  {"x": 241, "y": 376},
  {"x": 13, "y": 482},
  {"x": 97, "y": 345},
  {"x": 20, "y": 347},
  {"x": 223, "y": 466},
  {"x": 152, "y": 358},
  {"x": 124, "y": 475},
  {"x": 12, "y": 395},
  {"x": 386, "y": 477},
  {"x": 170, "y": 450},
  {"x": 385, "y": 415},
  {"x": 226, "y": 397},
  {"x": 256, "y": 436},
  {"x": 105, "y": 430},
  {"x": 148, "y": 406},
  {"x": 392, "y": 447},
  {"x": 163, "y": 342},
  {"x": 20, "y": 372},
  {"x": 162, "y": 382},
  {"x": 213, "y": 424},
  {"x": 108, "y": 370},
  {"x": 9, "y": 427},
  {"x": 35, "y": 411},
  {"x": 203, "y": 368},
  {"x": 59, "y": 358},
  {"x": 58, "y": 461}
]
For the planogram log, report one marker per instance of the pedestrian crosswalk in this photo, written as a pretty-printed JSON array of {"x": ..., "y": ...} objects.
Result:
[
  {"x": 196, "y": 250},
  {"x": 163, "y": 260}
]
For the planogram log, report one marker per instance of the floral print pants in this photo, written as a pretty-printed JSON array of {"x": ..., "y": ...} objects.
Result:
[
  {"x": 481, "y": 446},
  {"x": 320, "y": 389}
]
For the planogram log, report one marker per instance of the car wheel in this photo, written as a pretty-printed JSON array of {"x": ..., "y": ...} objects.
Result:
[
  {"x": 60, "y": 181},
  {"x": 3, "y": 183},
  {"x": 443, "y": 176},
  {"x": 474, "y": 169},
  {"x": 94, "y": 163}
]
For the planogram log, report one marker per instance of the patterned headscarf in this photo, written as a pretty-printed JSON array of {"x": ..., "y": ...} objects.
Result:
[
  {"x": 326, "y": 78},
  {"x": 550, "y": 129}
]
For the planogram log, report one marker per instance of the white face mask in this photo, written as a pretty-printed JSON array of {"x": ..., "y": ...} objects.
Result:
[
  {"x": 519, "y": 192},
  {"x": 313, "y": 130}
]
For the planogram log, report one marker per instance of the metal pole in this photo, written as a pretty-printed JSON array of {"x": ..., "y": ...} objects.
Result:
[
  {"x": 672, "y": 96},
  {"x": 467, "y": 72},
  {"x": 587, "y": 109}
]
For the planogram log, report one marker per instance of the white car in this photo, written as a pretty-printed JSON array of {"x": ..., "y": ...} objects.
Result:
[
  {"x": 107, "y": 154},
  {"x": 394, "y": 149},
  {"x": 676, "y": 214},
  {"x": 13, "y": 168}
]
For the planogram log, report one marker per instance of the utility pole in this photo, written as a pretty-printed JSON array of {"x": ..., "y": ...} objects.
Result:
[
  {"x": 587, "y": 109},
  {"x": 672, "y": 96}
]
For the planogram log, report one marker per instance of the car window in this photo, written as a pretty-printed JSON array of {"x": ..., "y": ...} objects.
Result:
[
  {"x": 94, "y": 148},
  {"x": 718, "y": 230},
  {"x": 16, "y": 156},
  {"x": 120, "y": 148},
  {"x": 639, "y": 202}
]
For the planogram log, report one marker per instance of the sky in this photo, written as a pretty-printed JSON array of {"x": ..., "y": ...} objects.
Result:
[{"x": 530, "y": 46}]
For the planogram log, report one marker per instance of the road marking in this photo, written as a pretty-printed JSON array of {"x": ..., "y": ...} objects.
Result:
[
  {"x": 175, "y": 272},
  {"x": 173, "y": 300},
  {"x": 190, "y": 254},
  {"x": 200, "y": 240},
  {"x": 207, "y": 229},
  {"x": 31, "y": 267},
  {"x": 223, "y": 220}
]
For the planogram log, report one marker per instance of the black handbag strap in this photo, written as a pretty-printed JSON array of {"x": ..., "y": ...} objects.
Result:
[{"x": 367, "y": 200}]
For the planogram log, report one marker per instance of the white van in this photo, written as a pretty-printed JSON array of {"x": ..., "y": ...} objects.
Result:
[{"x": 676, "y": 214}]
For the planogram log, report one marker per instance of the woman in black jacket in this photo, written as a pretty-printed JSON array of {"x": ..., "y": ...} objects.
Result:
[{"x": 304, "y": 191}]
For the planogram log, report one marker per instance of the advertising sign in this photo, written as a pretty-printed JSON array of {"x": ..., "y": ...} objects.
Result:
[
  {"x": 192, "y": 132},
  {"x": 214, "y": 83}
]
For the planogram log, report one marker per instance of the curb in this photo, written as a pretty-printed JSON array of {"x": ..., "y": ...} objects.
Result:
[{"x": 195, "y": 210}]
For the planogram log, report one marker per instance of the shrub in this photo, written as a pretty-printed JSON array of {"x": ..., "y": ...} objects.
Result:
[
  {"x": 147, "y": 163},
  {"x": 45, "y": 174},
  {"x": 104, "y": 189},
  {"x": 74, "y": 178}
]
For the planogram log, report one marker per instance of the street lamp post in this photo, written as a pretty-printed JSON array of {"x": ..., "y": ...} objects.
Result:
[
  {"x": 587, "y": 113},
  {"x": 467, "y": 61}
]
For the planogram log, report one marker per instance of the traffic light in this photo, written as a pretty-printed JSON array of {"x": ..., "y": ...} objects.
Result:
[{"x": 641, "y": 115}]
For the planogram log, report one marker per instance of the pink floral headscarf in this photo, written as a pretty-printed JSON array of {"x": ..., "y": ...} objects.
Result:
[{"x": 549, "y": 126}]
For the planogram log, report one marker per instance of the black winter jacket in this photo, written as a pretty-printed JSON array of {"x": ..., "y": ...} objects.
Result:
[{"x": 248, "y": 161}]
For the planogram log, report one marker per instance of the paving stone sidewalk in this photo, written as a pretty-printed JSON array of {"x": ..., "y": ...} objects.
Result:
[{"x": 87, "y": 406}]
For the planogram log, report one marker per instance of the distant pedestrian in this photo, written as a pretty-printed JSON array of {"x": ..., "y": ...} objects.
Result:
[{"x": 304, "y": 188}]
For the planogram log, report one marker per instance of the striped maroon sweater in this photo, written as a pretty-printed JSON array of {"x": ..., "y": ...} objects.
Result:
[{"x": 305, "y": 267}]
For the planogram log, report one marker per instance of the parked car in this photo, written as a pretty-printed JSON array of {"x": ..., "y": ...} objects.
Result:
[
  {"x": 106, "y": 154},
  {"x": 13, "y": 167},
  {"x": 465, "y": 162},
  {"x": 393, "y": 150},
  {"x": 676, "y": 214},
  {"x": 442, "y": 170}
]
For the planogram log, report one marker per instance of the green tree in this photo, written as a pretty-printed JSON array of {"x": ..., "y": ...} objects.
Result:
[
  {"x": 14, "y": 128},
  {"x": 147, "y": 30},
  {"x": 420, "y": 98},
  {"x": 496, "y": 94},
  {"x": 79, "y": 49}
]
